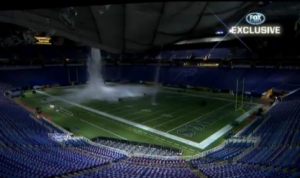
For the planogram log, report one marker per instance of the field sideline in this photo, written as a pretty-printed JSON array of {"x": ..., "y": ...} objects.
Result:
[{"x": 176, "y": 114}]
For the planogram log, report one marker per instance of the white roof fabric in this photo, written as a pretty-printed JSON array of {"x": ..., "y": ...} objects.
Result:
[{"x": 129, "y": 28}]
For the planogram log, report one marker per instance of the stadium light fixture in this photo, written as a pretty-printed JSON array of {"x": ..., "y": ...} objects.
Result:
[{"x": 229, "y": 32}]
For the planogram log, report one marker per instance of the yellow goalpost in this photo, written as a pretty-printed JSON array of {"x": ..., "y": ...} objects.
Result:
[{"x": 241, "y": 100}]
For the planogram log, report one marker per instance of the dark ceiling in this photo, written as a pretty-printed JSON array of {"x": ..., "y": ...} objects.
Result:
[{"x": 139, "y": 27}]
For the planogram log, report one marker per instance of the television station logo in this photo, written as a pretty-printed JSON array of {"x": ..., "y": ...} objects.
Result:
[{"x": 256, "y": 27}]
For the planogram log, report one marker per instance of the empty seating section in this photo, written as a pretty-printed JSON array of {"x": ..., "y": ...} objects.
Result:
[
  {"x": 275, "y": 79},
  {"x": 280, "y": 76},
  {"x": 138, "y": 73},
  {"x": 207, "y": 77},
  {"x": 27, "y": 151},
  {"x": 241, "y": 171},
  {"x": 227, "y": 152},
  {"x": 125, "y": 170},
  {"x": 257, "y": 80},
  {"x": 202, "y": 162},
  {"x": 44, "y": 162},
  {"x": 112, "y": 73},
  {"x": 249, "y": 130},
  {"x": 139, "y": 149},
  {"x": 217, "y": 53},
  {"x": 282, "y": 125},
  {"x": 295, "y": 95},
  {"x": 4, "y": 87},
  {"x": 152, "y": 162},
  {"x": 227, "y": 79},
  {"x": 144, "y": 168},
  {"x": 43, "y": 76},
  {"x": 230, "y": 150},
  {"x": 17, "y": 128},
  {"x": 101, "y": 153},
  {"x": 47, "y": 54},
  {"x": 242, "y": 53},
  {"x": 50, "y": 126},
  {"x": 287, "y": 87},
  {"x": 294, "y": 79},
  {"x": 254, "y": 78},
  {"x": 183, "y": 76},
  {"x": 177, "y": 54},
  {"x": 279, "y": 145},
  {"x": 278, "y": 148}
]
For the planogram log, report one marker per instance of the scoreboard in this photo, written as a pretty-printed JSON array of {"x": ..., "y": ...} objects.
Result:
[
  {"x": 46, "y": 40},
  {"x": 43, "y": 40}
]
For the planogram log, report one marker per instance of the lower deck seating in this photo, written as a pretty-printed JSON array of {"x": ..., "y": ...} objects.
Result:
[
  {"x": 127, "y": 170},
  {"x": 44, "y": 162},
  {"x": 159, "y": 162},
  {"x": 230, "y": 150},
  {"x": 279, "y": 145},
  {"x": 201, "y": 162},
  {"x": 241, "y": 171},
  {"x": 247, "y": 131},
  {"x": 26, "y": 151}
]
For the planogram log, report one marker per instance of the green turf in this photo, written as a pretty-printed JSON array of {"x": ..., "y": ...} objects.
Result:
[
  {"x": 90, "y": 131},
  {"x": 175, "y": 113}
]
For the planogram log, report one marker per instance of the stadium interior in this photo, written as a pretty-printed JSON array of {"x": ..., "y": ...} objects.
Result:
[{"x": 150, "y": 90}]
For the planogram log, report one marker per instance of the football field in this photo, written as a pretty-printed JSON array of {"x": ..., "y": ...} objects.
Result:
[{"x": 192, "y": 116}]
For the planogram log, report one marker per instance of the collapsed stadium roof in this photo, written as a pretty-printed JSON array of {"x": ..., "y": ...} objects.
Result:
[{"x": 130, "y": 27}]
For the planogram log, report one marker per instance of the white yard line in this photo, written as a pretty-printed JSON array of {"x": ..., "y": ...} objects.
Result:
[
  {"x": 201, "y": 96},
  {"x": 145, "y": 115},
  {"x": 103, "y": 129},
  {"x": 163, "y": 116},
  {"x": 107, "y": 109},
  {"x": 149, "y": 114},
  {"x": 127, "y": 102},
  {"x": 113, "y": 109},
  {"x": 176, "y": 118},
  {"x": 199, "y": 117},
  {"x": 157, "y": 111}
]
